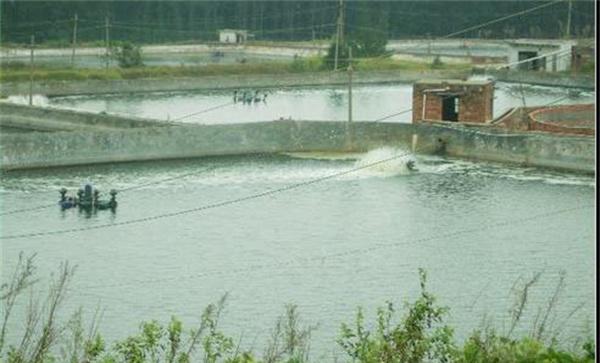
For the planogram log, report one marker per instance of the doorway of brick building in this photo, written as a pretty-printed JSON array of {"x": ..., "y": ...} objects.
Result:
[{"x": 450, "y": 108}]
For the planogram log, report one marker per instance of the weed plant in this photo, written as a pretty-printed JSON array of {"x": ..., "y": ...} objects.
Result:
[{"x": 417, "y": 333}]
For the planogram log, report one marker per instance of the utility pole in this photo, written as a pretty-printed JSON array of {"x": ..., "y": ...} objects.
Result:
[
  {"x": 342, "y": 20},
  {"x": 350, "y": 84},
  {"x": 106, "y": 40},
  {"x": 568, "y": 32},
  {"x": 338, "y": 36},
  {"x": 31, "y": 71},
  {"x": 74, "y": 40}
]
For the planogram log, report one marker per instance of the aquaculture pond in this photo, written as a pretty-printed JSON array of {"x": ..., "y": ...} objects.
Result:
[
  {"x": 356, "y": 240},
  {"x": 370, "y": 102}
]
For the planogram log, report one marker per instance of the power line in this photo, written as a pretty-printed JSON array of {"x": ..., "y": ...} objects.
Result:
[
  {"x": 119, "y": 190},
  {"x": 233, "y": 19},
  {"x": 475, "y": 27},
  {"x": 231, "y": 103},
  {"x": 398, "y": 113},
  {"x": 392, "y": 115},
  {"x": 481, "y": 25},
  {"x": 159, "y": 30},
  {"x": 37, "y": 23},
  {"x": 207, "y": 206},
  {"x": 356, "y": 251},
  {"x": 202, "y": 111},
  {"x": 160, "y": 181}
]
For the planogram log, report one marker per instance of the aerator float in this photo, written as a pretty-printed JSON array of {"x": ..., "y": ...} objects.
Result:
[{"x": 87, "y": 198}]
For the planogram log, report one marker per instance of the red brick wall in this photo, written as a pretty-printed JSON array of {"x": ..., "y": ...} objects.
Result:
[
  {"x": 524, "y": 119},
  {"x": 541, "y": 126},
  {"x": 574, "y": 126},
  {"x": 475, "y": 104}
]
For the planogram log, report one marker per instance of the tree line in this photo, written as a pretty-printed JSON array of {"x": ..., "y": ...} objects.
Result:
[{"x": 178, "y": 21}]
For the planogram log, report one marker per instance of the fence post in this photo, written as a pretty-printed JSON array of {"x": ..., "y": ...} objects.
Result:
[
  {"x": 106, "y": 40},
  {"x": 350, "y": 84},
  {"x": 74, "y": 40},
  {"x": 31, "y": 67}
]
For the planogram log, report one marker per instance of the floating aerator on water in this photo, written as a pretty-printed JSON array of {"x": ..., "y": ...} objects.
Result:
[
  {"x": 87, "y": 198},
  {"x": 410, "y": 165}
]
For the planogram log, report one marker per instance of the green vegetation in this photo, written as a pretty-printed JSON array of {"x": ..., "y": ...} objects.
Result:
[
  {"x": 19, "y": 72},
  {"x": 419, "y": 335},
  {"x": 146, "y": 22},
  {"x": 366, "y": 38},
  {"x": 128, "y": 55}
]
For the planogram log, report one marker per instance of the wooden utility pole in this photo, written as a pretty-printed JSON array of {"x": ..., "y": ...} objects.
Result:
[
  {"x": 568, "y": 32},
  {"x": 338, "y": 36},
  {"x": 74, "y": 40},
  {"x": 31, "y": 71},
  {"x": 342, "y": 20},
  {"x": 350, "y": 84},
  {"x": 106, "y": 40}
]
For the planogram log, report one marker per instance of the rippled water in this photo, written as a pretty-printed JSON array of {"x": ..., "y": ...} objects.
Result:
[
  {"x": 369, "y": 103},
  {"x": 355, "y": 240}
]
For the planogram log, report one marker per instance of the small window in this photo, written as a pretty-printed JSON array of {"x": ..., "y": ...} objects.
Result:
[{"x": 456, "y": 105}]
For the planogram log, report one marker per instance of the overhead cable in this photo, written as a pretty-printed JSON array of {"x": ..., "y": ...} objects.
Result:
[{"x": 204, "y": 207}]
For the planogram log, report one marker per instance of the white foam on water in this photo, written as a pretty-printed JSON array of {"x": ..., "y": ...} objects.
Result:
[
  {"x": 36, "y": 100},
  {"x": 324, "y": 155},
  {"x": 525, "y": 174},
  {"x": 385, "y": 162}
]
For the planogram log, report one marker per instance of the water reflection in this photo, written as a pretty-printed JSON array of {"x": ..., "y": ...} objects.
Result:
[
  {"x": 336, "y": 218},
  {"x": 450, "y": 189},
  {"x": 371, "y": 102},
  {"x": 336, "y": 98}
]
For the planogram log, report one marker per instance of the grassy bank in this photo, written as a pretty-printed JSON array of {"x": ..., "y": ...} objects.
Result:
[
  {"x": 20, "y": 72},
  {"x": 66, "y": 44},
  {"x": 417, "y": 333}
]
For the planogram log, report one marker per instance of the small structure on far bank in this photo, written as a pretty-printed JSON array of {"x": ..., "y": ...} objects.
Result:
[
  {"x": 472, "y": 103},
  {"x": 540, "y": 55},
  {"x": 583, "y": 56},
  {"x": 233, "y": 36},
  {"x": 453, "y": 100}
]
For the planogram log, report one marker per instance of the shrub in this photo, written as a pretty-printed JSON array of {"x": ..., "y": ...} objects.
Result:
[
  {"x": 437, "y": 62},
  {"x": 128, "y": 55},
  {"x": 419, "y": 336}
]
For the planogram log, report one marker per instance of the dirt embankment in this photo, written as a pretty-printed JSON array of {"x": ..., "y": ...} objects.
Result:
[{"x": 308, "y": 79}]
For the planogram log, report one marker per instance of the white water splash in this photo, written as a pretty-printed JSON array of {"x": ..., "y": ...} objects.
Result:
[
  {"x": 36, "y": 100},
  {"x": 386, "y": 162}
]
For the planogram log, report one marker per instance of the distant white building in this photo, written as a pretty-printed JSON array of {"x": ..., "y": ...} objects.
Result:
[
  {"x": 540, "y": 55},
  {"x": 233, "y": 36}
]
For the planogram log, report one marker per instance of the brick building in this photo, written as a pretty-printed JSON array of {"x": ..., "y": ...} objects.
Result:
[{"x": 453, "y": 100}]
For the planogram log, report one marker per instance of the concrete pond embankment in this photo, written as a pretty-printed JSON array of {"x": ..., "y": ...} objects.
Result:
[
  {"x": 302, "y": 79},
  {"x": 24, "y": 118},
  {"x": 55, "y": 149},
  {"x": 550, "y": 79}
]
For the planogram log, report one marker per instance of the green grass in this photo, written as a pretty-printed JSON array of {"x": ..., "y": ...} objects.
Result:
[
  {"x": 377, "y": 64},
  {"x": 19, "y": 72}
]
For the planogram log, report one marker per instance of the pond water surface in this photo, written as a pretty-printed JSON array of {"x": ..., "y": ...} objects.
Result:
[
  {"x": 370, "y": 102},
  {"x": 329, "y": 247}
]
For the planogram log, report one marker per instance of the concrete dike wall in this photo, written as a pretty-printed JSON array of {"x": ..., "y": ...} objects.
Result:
[
  {"x": 41, "y": 150},
  {"x": 542, "y": 78},
  {"x": 66, "y": 88},
  {"x": 24, "y": 117},
  {"x": 538, "y": 149}
]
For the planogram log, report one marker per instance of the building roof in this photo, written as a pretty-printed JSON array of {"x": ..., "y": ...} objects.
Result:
[
  {"x": 544, "y": 43},
  {"x": 233, "y": 30},
  {"x": 456, "y": 82}
]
